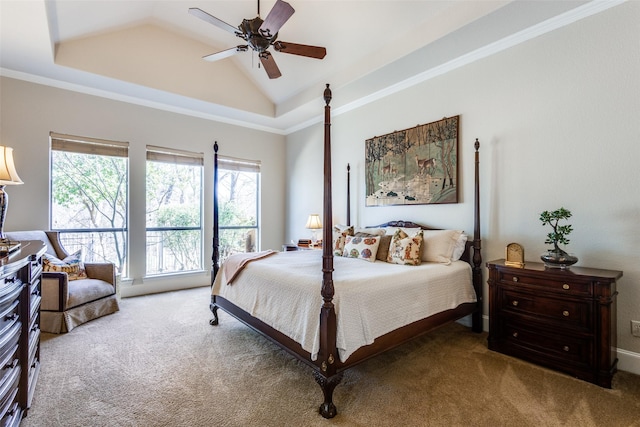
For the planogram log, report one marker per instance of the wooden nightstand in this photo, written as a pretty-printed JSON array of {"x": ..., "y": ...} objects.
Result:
[
  {"x": 561, "y": 319},
  {"x": 293, "y": 247}
]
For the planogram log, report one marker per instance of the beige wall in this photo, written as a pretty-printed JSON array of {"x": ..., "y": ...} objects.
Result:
[
  {"x": 30, "y": 111},
  {"x": 558, "y": 120}
]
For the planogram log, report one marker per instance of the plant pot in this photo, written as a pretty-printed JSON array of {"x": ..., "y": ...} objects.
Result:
[{"x": 558, "y": 259}]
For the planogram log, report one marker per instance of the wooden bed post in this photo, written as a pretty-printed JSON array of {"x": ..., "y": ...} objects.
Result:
[
  {"x": 476, "y": 318},
  {"x": 327, "y": 377},
  {"x": 348, "y": 194},
  {"x": 215, "y": 257}
]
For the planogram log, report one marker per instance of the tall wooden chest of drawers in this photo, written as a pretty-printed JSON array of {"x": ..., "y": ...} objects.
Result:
[
  {"x": 564, "y": 319},
  {"x": 20, "y": 290}
]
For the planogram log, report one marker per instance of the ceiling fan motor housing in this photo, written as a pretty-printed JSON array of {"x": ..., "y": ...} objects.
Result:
[{"x": 251, "y": 33}]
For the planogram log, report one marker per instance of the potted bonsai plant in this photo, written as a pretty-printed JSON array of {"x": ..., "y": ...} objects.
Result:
[{"x": 557, "y": 257}]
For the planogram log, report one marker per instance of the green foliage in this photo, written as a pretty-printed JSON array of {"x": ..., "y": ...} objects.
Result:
[
  {"x": 559, "y": 233},
  {"x": 93, "y": 190}
]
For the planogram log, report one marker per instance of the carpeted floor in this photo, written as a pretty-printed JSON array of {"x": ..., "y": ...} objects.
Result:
[{"x": 158, "y": 362}]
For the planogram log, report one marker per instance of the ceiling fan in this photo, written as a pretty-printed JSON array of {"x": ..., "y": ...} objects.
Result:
[{"x": 259, "y": 35}]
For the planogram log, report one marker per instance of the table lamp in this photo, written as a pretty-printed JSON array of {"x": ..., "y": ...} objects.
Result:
[
  {"x": 314, "y": 224},
  {"x": 8, "y": 176}
]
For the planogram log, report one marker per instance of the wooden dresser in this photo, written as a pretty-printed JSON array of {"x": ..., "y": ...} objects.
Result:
[
  {"x": 561, "y": 319},
  {"x": 20, "y": 291}
]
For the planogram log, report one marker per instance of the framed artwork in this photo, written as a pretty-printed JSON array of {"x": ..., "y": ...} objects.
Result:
[{"x": 415, "y": 166}]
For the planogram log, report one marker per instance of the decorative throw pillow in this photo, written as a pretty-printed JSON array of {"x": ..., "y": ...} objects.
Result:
[
  {"x": 364, "y": 248},
  {"x": 383, "y": 248},
  {"x": 405, "y": 249},
  {"x": 439, "y": 245},
  {"x": 340, "y": 232},
  {"x": 72, "y": 265},
  {"x": 410, "y": 231}
]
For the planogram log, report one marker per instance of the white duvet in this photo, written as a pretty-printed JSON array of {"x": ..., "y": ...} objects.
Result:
[{"x": 371, "y": 299}]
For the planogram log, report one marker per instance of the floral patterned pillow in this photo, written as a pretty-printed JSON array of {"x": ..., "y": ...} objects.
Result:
[
  {"x": 340, "y": 233},
  {"x": 72, "y": 265},
  {"x": 405, "y": 249},
  {"x": 365, "y": 247}
]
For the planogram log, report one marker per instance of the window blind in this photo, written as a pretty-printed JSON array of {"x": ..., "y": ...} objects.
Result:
[
  {"x": 170, "y": 155},
  {"x": 239, "y": 165},
  {"x": 86, "y": 145}
]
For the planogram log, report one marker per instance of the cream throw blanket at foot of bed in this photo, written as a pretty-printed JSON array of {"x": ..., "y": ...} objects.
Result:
[{"x": 233, "y": 265}]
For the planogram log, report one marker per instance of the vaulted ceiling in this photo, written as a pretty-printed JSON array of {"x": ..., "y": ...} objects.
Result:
[{"x": 150, "y": 52}]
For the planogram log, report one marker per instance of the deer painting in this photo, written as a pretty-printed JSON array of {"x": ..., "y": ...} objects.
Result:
[{"x": 425, "y": 165}]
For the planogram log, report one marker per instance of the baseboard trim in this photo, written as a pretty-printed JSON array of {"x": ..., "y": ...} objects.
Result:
[{"x": 629, "y": 361}]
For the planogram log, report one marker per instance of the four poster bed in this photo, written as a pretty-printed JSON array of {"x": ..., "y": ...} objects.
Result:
[{"x": 372, "y": 307}]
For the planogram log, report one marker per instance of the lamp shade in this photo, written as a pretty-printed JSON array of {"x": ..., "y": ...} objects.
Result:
[
  {"x": 314, "y": 222},
  {"x": 8, "y": 174}
]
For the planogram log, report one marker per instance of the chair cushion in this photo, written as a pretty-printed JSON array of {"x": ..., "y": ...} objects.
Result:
[{"x": 87, "y": 290}]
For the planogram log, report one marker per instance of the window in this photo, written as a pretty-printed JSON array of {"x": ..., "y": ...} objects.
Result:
[
  {"x": 89, "y": 182},
  {"x": 238, "y": 206},
  {"x": 174, "y": 211}
]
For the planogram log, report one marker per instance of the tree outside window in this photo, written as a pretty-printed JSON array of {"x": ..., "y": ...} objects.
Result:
[
  {"x": 89, "y": 184},
  {"x": 238, "y": 205},
  {"x": 174, "y": 211}
]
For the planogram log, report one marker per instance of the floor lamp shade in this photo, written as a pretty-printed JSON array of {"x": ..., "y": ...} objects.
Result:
[{"x": 8, "y": 176}]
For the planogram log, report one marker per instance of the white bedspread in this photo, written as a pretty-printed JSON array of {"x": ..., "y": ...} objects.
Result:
[{"x": 371, "y": 299}]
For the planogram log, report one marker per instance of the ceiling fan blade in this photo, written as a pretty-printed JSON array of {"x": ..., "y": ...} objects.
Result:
[
  {"x": 276, "y": 18},
  {"x": 199, "y": 13},
  {"x": 300, "y": 49},
  {"x": 270, "y": 65},
  {"x": 225, "y": 53}
]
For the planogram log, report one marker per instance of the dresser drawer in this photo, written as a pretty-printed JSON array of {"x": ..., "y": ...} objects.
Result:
[
  {"x": 10, "y": 293},
  {"x": 13, "y": 416},
  {"x": 8, "y": 370},
  {"x": 8, "y": 397},
  {"x": 9, "y": 343},
  {"x": 35, "y": 306},
  {"x": 34, "y": 340},
  {"x": 568, "y": 286},
  {"x": 565, "y": 312},
  {"x": 546, "y": 345},
  {"x": 36, "y": 268},
  {"x": 9, "y": 316},
  {"x": 35, "y": 288}
]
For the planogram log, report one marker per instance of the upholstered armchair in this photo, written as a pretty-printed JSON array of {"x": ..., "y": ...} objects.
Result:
[{"x": 70, "y": 303}]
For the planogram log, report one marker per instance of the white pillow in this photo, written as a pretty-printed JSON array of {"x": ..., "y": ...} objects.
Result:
[
  {"x": 364, "y": 248},
  {"x": 461, "y": 244},
  {"x": 438, "y": 245}
]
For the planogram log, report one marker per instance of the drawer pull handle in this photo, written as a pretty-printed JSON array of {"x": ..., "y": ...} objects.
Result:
[
  {"x": 515, "y": 278},
  {"x": 12, "y": 365},
  {"x": 565, "y": 313},
  {"x": 515, "y": 335},
  {"x": 565, "y": 287},
  {"x": 515, "y": 303},
  {"x": 565, "y": 348}
]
